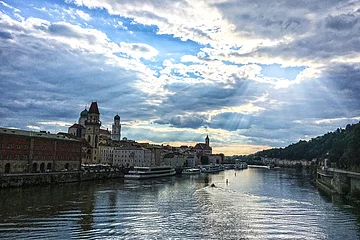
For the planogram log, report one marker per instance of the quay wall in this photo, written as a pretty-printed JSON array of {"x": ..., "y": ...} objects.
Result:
[
  {"x": 31, "y": 179},
  {"x": 339, "y": 181}
]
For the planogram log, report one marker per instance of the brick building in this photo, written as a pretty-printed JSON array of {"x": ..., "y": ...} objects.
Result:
[
  {"x": 25, "y": 151},
  {"x": 203, "y": 149}
]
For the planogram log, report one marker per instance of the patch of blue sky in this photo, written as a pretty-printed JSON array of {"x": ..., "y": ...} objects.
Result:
[
  {"x": 26, "y": 10},
  {"x": 232, "y": 63},
  {"x": 275, "y": 70}
]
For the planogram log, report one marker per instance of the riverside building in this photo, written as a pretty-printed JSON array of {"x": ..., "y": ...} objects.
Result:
[
  {"x": 25, "y": 152},
  {"x": 133, "y": 156}
]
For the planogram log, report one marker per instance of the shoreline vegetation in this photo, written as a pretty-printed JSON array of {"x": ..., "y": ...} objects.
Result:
[{"x": 339, "y": 149}]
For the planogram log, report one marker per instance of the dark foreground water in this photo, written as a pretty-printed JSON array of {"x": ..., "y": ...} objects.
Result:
[{"x": 255, "y": 204}]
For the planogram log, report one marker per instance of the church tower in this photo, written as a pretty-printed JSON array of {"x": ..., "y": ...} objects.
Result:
[
  {"x": 116, "y": 129},
  {"x": 207, "y": 140},
  {"x": 92, "y": 133}
]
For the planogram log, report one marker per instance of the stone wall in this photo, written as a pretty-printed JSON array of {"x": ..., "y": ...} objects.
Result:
[
  {"x": 30, "y": 179},
  {"x": 341, "y": 183},
  {"x": 19, "y": 166}
]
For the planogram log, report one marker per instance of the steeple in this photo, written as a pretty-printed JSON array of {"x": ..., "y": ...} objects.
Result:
[
  {"x": 207, "y": 140},
  {"x": 94, "y": 108},
  {"x": 92, "y": 133},
  {"x": 116, "y": 129}
]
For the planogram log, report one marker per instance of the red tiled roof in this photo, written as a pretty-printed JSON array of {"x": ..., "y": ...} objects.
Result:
[
  {"x": 105, "y": 132},
  {"x": 76, "y": 126},
  {"x": 94, "y": 108},
  {"x": 202, "y": 146}
]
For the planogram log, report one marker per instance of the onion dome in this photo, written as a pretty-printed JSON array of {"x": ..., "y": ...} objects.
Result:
[
  {"x": 117, "y": 117},
  {"x": 84, "y": 113}
]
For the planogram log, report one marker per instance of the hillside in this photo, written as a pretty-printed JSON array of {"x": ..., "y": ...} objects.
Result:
[{"x": 341, "y": 147}]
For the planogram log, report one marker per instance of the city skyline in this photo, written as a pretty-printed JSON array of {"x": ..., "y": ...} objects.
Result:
[{"x": 250, "y": 74}]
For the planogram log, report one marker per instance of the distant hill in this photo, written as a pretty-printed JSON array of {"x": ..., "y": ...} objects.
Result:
[{"x": 341, "y": 147}]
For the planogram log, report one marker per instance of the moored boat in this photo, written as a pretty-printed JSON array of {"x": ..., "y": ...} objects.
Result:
[
  {"x": 191, "y": 171},
  {"x": 150, "y": 172},
  {"x": 213, "y": 168}
]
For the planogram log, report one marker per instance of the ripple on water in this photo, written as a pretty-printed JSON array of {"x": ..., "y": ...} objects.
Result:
[{"x": 180, "y": 208}]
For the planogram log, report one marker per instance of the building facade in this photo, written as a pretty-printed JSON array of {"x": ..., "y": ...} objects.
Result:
[
  {"x": 133, "y": 156},
  {"x": 25, "y": 152},
  {"x": 106, "y": 154}
]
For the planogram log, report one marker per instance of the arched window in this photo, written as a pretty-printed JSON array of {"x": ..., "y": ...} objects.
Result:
[
  {"x": 67, "y": 166},
  {"x": 48, "y": 167},
  {"x": 96, "y": 141},
  {"x": 89, "y": 139},
  {"x": 42, "y": 167},
  {"x": 7, "y": 168},
  {"x": 34, "y": 167}
]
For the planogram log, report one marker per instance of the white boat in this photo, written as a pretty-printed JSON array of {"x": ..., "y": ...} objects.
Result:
[
  {"x": 191, "y": 171},
  {"x": 150, "y": 172},
  {"x": 210, "y": 168}
]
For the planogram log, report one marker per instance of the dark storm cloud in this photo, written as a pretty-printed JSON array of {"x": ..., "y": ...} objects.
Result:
[
  {"x": 63, "y": 30},
  {"x": 43, "y": 81},
  {"x": 187, "y": 121},
  {"x": 342, "y": 22},
  {"x": 344, "y": 77},
  {"x": 6, "y": 35},
  {"x": 231, "y": 121},
  {"x": 201, "y": 97},
  {"x": 268, "y": 19}
]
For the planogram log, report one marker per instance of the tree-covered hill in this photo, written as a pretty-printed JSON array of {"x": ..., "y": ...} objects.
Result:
[{"x": 341, "y": 147}]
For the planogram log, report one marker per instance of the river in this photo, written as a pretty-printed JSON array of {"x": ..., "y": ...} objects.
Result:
[{"x": 254, "y": 203}]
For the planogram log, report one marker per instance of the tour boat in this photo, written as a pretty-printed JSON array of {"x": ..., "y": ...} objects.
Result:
[
  {"x": 191, "y": 171},
  {"x": 150, "y": 172},
  {"x": 210, "y": 168}
]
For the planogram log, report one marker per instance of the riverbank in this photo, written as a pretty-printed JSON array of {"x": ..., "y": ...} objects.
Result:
[
  {"x": 338, "y": 181},
  {"x": 51, "y": 178}
]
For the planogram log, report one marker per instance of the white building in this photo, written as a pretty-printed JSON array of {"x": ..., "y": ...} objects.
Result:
[
  {"x": 106, "y": 154},
  {"x": 133, "y": 156},
  {"x": 174, "y": 160}
]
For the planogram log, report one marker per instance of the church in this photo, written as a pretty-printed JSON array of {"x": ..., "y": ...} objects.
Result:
[{"x": 88, "y": 128}]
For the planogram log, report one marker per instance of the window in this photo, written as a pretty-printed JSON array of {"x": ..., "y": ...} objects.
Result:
[{"x": 7, "y": 168}]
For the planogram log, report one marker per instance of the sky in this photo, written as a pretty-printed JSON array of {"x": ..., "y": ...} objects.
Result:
[{"x": 250, "y": 74}]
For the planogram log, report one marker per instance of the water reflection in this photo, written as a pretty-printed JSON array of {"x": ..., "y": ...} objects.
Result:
[{"x": 249, "y": 204}]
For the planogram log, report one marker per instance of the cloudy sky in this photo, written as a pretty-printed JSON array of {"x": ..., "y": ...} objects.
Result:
[{"x": 252, "y": 74}]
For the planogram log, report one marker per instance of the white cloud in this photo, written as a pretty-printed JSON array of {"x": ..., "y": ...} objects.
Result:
[
  {"x": 83, "y": 15},
  {"x": 33, "y": 127},
  {"x": 138, "y": 50},
  {"x": 9, "y": 6}
]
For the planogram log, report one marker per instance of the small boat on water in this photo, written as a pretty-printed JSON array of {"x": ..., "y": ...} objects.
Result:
[
  {"x": 212, "y": 168},
  {"x": 150, "y": 172},
  {"x": 191, "y": 171}
]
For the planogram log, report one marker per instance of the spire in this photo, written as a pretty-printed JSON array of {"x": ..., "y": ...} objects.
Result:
[
  {"x": 94, "y": 108},
  {"x": 207, "y": 140}
]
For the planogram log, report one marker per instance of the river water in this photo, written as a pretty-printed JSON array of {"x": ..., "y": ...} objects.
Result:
[{"x": 254, "y": 203}]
